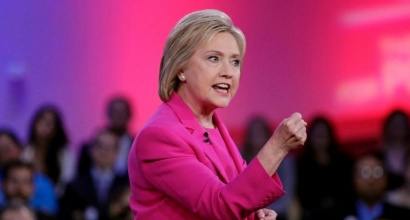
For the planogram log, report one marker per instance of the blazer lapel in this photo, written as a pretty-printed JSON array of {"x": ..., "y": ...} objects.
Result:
[
  {"x": 188, "y": 119},
  {"x": 232, "y": 148},
  {"x": 210, "y": 154}
]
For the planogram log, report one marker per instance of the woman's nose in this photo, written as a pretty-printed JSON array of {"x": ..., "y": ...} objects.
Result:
[{"x": 227, "y": 70}]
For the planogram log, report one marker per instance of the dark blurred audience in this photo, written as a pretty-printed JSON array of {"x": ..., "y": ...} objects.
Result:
[
  {"x": 48, "y": 147},
  {"x": 401, "y": 196},
  {"x": 320, "y": 180},
  {"x": 43, "y": 198},
  {"x": 18, "y": 185},
  {"x": 323, "y": 171},
  {"x": 370, "y": 184},
  {"x": 119, "y": 208},
  {"x": 257, "y": 133},
  {"x": 88, "y": 196},
  {"x": 119, "y": 115},
  {"x": 395, "y": 144},
  {"x": 16, "y": 210}
]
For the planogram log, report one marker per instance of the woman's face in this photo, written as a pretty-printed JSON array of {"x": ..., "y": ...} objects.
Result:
[
  {"x": 212, "y": 74},
  {"x": 397, "y": 128},
  {"x": 320, "y": 136},
  {"x": 45, "y": 125}
]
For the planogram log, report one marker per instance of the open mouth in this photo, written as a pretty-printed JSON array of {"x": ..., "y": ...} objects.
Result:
[{"x": 222, "y": 87}]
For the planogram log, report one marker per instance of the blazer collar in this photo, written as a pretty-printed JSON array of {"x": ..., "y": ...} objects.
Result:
[
  {"x": 187, "y": 118},
  {"x": 183, "y": 112}
]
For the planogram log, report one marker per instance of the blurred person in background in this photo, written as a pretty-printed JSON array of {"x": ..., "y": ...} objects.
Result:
[
  {"x": 17, "y": 211},
  {"x": 401, "y": 195},
  {"x": 44, "y": 197},
  {"x": 18, "y": 185},
  {"x": 88, "y": 195},
  {"x": 370, "y": 184},
  {"x": 257, "y": 133},
  {"x": 48, "y": 147},
  {"x": 119, "y": 116},
  {"x": 119, "y": 208},
  {"x": 395, "y": 144},
  {"x": 10, "y": 147},
  {"x": 322, "y": 167}
]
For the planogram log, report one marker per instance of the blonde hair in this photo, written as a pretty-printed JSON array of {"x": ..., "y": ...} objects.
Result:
[{"x": 191, "y": 31}]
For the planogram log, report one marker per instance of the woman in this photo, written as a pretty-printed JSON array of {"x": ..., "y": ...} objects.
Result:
[
  {"x": 320, "y": 169},
  {"x": 183, "y": 163},
  {"x": 48, "y": 147},
  {"x": 395, "y": 144}
]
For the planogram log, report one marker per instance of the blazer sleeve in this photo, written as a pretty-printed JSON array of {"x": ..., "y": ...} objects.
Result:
[{"x": 170, "y": 162}]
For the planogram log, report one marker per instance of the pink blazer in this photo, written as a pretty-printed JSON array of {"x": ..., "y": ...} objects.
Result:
[{"x": 175, "y": 175}]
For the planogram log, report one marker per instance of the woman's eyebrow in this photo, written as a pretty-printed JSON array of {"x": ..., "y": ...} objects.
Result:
[{"x": 221, "y": 53}]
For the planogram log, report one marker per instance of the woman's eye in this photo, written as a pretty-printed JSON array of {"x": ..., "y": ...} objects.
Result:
[
  {"x": 236, "y": 62},
  {"x": 213, "y": 58}
]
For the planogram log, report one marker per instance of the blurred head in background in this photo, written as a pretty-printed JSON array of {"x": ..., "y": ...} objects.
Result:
[
  {"x": 119, "y": 114},
  {"x": 104, "y": 149},
  {"x": 18, "y": 181},
  {"x": 10, "y": 147},
  {"x": 321, "y": 145},
  {"x": 370, "y": 180},
  {"x": 396, "y": 129},
  {"x": 47, "y": 127}
]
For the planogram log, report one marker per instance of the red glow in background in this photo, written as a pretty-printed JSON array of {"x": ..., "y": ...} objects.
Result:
[{"x": 347, "y": 59}]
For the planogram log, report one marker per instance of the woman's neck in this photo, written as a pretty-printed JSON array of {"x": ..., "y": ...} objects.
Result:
[
  {"x": 205, "y": 120},
  {"x": 202, "y": 114}
]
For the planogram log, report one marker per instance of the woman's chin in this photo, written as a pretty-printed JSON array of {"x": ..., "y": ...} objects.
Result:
[{"x": 222, "y": 103}]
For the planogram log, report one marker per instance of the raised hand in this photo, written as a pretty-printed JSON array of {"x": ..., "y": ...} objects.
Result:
[{"x": 290, "y": 134}]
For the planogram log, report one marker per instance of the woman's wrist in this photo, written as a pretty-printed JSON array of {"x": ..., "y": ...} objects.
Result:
[{"x": 270, "y": 156}]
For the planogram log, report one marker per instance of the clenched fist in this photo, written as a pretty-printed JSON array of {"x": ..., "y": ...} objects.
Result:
[{"x": 290, "y": 134}]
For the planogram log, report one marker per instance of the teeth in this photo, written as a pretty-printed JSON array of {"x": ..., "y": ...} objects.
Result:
[{"x": 222, "y": 86}]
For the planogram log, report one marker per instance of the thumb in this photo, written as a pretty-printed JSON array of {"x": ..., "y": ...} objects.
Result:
[{"x": 260, "y": 213}]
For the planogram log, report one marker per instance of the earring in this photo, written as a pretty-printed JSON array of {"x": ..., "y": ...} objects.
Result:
[{"x": 182, "y": 78}]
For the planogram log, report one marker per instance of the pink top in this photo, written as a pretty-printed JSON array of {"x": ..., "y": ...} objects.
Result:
[{"x": 174, "y": 174}]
